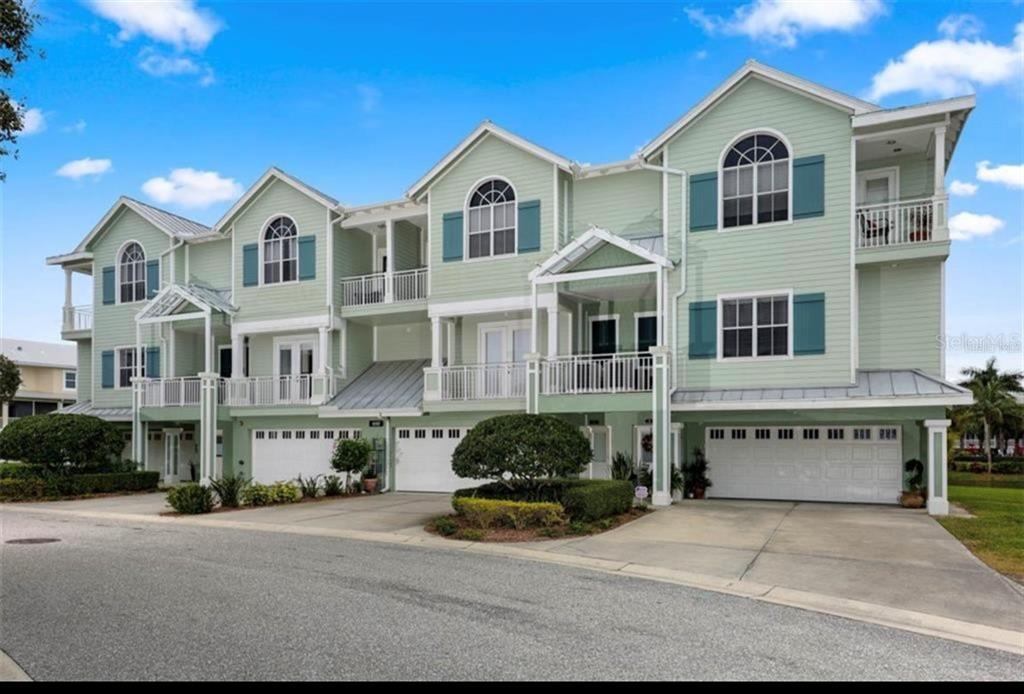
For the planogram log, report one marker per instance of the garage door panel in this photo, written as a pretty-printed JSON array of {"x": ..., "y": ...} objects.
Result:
[
  {"x": 423, "y": 459},
  {"x": 281, "y": 455},
  {"x": 835, "y": 466}
]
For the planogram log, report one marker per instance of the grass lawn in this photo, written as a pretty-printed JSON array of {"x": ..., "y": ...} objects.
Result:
[{"x": 996, "y": 535}]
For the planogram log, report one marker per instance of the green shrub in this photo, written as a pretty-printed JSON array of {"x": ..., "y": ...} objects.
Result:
[
  {"x": 499, "y": 513},
  {"x": 472, "y": 534},
  {"x": 55, "y": 486},
  {"x": 351, "y": 455},
  {"x": 284, "y": 493},
  {"x": 191, "y": 499},
  {"x": 21, "y": 470},
  {"x": 22, "y": 488},
  {"x": 256, "y": 494},
  {"x": 521, "y": 450},
  {"x": 582, "y": 499},
  {"x": 446, "y": 525},
  {"x": 229, "y": 490},
  {"x": 309, "y": 486},
  {"x": 61, "y": 442},
  {"x": 333, "y": 485}
]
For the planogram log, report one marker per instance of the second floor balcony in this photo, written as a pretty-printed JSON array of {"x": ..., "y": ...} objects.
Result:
[
  {"x": 259, "y": 391},
  {"x": 901, "y": 222},
  {"x": 76, "y": 319},
  {"x": 384, "y": 288}
]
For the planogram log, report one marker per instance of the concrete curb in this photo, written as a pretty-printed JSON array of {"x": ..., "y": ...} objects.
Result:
[
  {"x": 883, "y": 615},
  {"x": 10, "y": 671}
]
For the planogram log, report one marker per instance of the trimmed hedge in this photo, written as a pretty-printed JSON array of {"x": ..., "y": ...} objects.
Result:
[
  {"x": 20, "y": 470},
  {"x": 1004, "y": 466},
  {"x": 61, "y": 441},
  {"x": 53, "y": 486},
  {"x": 583, "y": 500},
  {"x": 491, "y": 513}
]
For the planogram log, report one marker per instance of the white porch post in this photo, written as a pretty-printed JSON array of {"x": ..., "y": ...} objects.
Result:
[
  {"x": 69, "y": 315},
  {"x": 389, "y": 270},
  {"x": 533, "y": 318},
  {"x": 324, "y": 356},
  {"x": 938, "y": 502},
  {"x": 137, "y": 370},
  {"x": 553, "y": 331},
  {"x": 660, "y": 320},
  {"x": 532, "y": 383},
  {"x": 661, "y": 427},
  {"x": 170, "y": 351},
  {"x": 207, "y": 341},
  {"x": 435, "y": 342},
  {"x": 207, "y": 425},
  {"x": 940, "y": 161},
  {"x": 237, "y": 355}
]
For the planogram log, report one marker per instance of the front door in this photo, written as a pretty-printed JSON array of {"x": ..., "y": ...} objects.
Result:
[
  {"x": 172, "y": 457},
  {"x": 876, "y": 218},
  {"x": 295, "y": 363},
  {"x": 224, "y": 367}
]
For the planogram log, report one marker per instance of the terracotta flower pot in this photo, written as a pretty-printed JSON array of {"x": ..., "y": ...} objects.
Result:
[
  {"x": 370, "y": 485},
  {"x": 912, "y": 500},
  {"x": 698, "y": 492}
]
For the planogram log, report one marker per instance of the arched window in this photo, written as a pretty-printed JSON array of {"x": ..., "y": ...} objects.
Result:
[
  {"x": 280, "y": 254},
  {"x": 492, "y": 219},
  {"x": 755, "y": 181},
  {"x": 132, "y": 267}
]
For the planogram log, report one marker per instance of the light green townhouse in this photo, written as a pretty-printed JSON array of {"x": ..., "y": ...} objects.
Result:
[{"x": 763, "y": 280}]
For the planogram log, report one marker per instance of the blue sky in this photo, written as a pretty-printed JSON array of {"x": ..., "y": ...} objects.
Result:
[{"x": 183, "y": 104}]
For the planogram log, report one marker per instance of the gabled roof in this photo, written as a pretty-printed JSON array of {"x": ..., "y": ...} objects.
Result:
[
  {"x": 486, "y": 128},
  {"x": 591, "y": 240},
  {"x": 752, "y": 68},
  {"x": 174, "y": 296},
  {"x": 175, "y": 226},
  {"x": 276, "y": 174}
]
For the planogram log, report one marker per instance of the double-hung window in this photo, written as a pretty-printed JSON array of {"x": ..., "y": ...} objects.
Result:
[
  {"x": 280, "y": 251},
  {"x": 126, "y": 366},
  {"x": 70, "y": 380},
  {"x": 492, "y": 220},
  {"x": 132, "y": 270},
  {"x": 755, "y": 327},
  {"x": 755, "y": 182}
]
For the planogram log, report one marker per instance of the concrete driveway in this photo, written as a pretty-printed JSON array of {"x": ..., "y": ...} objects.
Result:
[{"x": 877, "y": 554}]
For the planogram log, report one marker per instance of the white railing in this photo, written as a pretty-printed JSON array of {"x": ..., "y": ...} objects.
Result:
[
  {"x": 625, "y": 372},
  {"x": 366, "y": 290},
  {"x": 901, "y": 222},
  {"x": 170, "y": 392},
  {"x": 77, "y": 318},
  {"x": 266, "y": 391},
  {"x": 483, "y": 381}
]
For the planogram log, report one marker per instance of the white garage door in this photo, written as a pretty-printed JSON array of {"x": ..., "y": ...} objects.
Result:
[
  {"x": 280, "y": 455},
  {"x": 821, "y": 463},
  {"x": 423, "y": 460}
]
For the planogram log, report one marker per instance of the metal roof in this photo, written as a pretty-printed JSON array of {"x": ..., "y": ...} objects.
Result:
[
  {"x": 113, "y": 414},
  {"x": 173, "y": 224},
  {"x": 646, "y": 248},
  {"x": 174, "y": 297},
  {"x": 32, "y": 353},
  {"x": 904, "y": 384},
  {"x": 387, "y": 385}
]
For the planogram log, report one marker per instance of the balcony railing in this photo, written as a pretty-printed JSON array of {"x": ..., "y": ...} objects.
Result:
[
  {"x": 483, "y": 381},
  {"x": 624, "y": 372},
  {"x": 366, "y": 290},
  {"x": 267, "y": 391},
  {"x": 901, "y": 222},
  {"x": 77, "y": 318},
  {"x": 264, "y": 391}
]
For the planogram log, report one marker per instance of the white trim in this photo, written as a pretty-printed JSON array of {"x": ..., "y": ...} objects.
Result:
[
  {"x": 256, "y": 189},
  {"x": 754, "y": 193},
  {"x": 854, "y": 276},
  {"x": 145, "y": 274},
  {"x": 508, "y": 328},
  {"x": 263, "y": 239},
  {"x": 585, "y": 239},
  {"x": 753, "y": 327},
  {"x": 502, "y": 304},
  {"x": 139, "y": 368},
  {"x": 481, "y": 131},
  {"x": 636, "y": 325},
  {"x": 617, "y": 271},
  {"x": 64, "y": 380},
  {"x": 892, "y": 173},
  {"x": 754, "y": 69},
  {"x": 515, "y": 224},
  {"x": 831, "y": 404},
  {"x": 327, "y": 411},
  {"x": 554, "y": 209},
  {"x": 295, "y": 341},
  {"x": 280, "y": 325},
  {"x": 935, "y": 108},
  {"x": 597, "y": 318}
]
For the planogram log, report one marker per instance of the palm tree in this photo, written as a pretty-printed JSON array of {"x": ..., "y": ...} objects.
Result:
[{"x": 994, "y": 401}]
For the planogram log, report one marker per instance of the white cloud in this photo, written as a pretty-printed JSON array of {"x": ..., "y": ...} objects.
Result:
[
  {"x": 963, "y": 188},
  {"x": 1011, "y": 175},
  {"x": 783, "y": 22},
  {"x": 76, "y": 127},
  {"x": 154, "y": 63},
  {"x": 33, "y": 121},
  {"x": 953, "y": 65},
  {"x": 967, "y": 225},
  {"x": 178, "y": 23},
  {"x": 966, "y": 25},
  {"x": 80, "y": 168},
  {"x": 191, "y": 188}
]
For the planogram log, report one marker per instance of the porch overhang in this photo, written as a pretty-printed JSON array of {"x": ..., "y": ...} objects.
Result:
[
  {"x": 558, "y": 267},
  {"x": 167, "y": 305}
]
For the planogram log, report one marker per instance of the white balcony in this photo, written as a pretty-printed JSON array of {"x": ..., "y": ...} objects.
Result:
[
  {"x": 270, "y": 391},
  {"x": 482, "y": 382},
  {"x": 623, "y": 372},
  {"x": 171, "y": 392},
  {"x": 76, "y": 318},
  {"x": 901, "y": 223},
  {"x": 368, "y": 290}
]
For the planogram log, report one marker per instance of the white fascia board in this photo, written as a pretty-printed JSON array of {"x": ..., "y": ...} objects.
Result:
[
  {"x": 603, "y": 273},
  {"x": 69, "y": 258},
  {"x": 752, "y": 67},
  {"x": 281, "y": 325},
  {"x": 486, "y": 128},
  {"x": 935, "y": 108},
  {"x": 255, "y": 188},
  {"x": 834, "y": 404},
  {"x": 479, "y": 306},
  {"x": 356, "y": 217},
  {"x": 586, "y": 241},
  {"x": 327, "y": 412}
]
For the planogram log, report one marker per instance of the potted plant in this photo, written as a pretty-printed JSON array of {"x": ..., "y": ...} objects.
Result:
[
  {"x": 695, "y": 476},
  {"x": 351, "y": 455},
  {"x": 369, "y": 479},
  {"x": 914, "y": 496}
]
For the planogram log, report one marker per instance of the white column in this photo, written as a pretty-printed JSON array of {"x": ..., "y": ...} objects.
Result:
[
  {"x": 237, "y": 355},
  {"x": 938, "y": 502},
  {"x": 69, "y": 315},
  {"x": 940, "y": 160},
  {"x": 661, "y": 426},
  {"x": 207, "y": 342},
  {"x": 660, "y": 320},
  {"x": 4, "y": 415},
  {"x": 389, "y": 271},
  {"x": 169, "y": 367},
  {"x": 552, "y": 331},
  {"x": 324, "y": 356},
  {"x": 435, "y": 342},
  {"x": 533, "y": 318},
  {"x": 138, "y": 354}
]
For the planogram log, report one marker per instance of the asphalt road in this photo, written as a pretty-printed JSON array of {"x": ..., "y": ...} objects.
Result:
[{"x": 115, "y": 601}]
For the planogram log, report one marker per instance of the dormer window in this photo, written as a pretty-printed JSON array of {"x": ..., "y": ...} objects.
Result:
[
  {"x": 755, "y": 181},
  {"x": 132, "y": 268},
  {"x": 280, "y": 251},
  {"x": 492, "y": 220}
]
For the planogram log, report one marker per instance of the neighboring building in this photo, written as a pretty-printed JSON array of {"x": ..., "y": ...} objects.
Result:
[
  {"x": 764, "y": 279},
  {"x": 49, "y": 377}
]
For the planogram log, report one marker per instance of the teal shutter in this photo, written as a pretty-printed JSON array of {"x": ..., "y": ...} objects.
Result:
[
  {"x": 809, "y": 324},
  {"x": 809, "y": 187},
  {"x": 307, "y": 257},
  {"x": 529, "y": 226},
  {"x": 107, "y": 369},
  {"x": 250, "y": 265},
  {"x": 451, "y": 246},
  {"x": 152, "y": 362},
  {"x": 152, "y": 278},
  {"x": 704, "y": 201},
  {"x": 703, "y": 329},
  {"x": 108, "y": 285}
]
